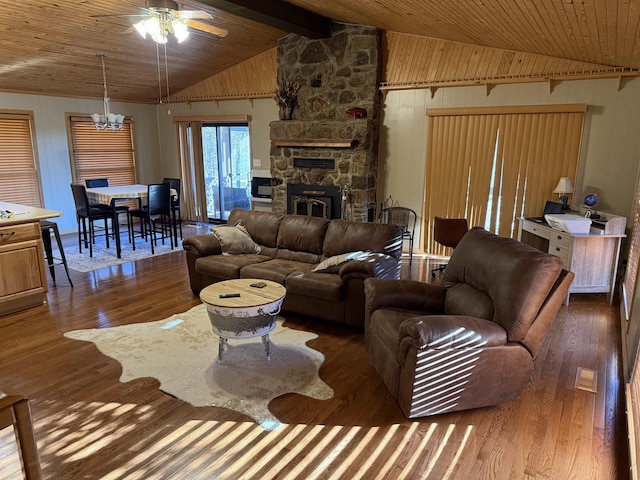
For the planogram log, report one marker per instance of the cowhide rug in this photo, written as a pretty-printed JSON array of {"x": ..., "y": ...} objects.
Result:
[{"x": 181, "y": 353}]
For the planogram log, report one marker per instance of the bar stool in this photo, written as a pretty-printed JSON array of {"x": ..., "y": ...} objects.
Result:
[{"x": 46, "y": 226}]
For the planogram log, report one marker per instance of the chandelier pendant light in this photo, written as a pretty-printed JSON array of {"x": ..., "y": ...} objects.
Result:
[{"x": 106, "y": 120}]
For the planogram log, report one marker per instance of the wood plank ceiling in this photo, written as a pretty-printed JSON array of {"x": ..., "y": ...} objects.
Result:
[{"x": 50, "y": 47}]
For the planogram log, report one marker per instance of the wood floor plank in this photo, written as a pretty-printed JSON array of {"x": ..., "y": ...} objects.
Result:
[{"x": 90, "y": 425}]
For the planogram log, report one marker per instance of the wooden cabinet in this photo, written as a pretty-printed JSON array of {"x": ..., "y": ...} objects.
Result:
[
  {"x": 23, "y": 279},
  {"x": 23, "y": 282},
  {"x": 593, "y": 258}
]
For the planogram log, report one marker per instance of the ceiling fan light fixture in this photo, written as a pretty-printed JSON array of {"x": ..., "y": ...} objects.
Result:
[
  {"x": 180, "y": 29},
  {"x": 153, "y": 25},
  {"x": 140, "y": 28}
]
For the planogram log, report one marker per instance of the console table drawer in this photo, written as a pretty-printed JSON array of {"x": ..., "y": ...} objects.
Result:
[
  {"x": 560, "y": 250},
  {"x": 538, "y": 230},
  {"x": 559, "y": 237}
]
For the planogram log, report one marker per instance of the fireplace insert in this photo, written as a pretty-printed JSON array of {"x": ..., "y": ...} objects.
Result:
[{"x": 314, "y": 200}]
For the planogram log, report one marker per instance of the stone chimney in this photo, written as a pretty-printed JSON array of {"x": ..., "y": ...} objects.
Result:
[{"x": 332, "y": 137}]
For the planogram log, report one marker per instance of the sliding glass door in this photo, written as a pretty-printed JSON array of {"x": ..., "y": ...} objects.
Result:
[{"x": 227, "y": 168}]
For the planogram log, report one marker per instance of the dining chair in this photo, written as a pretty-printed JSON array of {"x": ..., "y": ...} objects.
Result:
[
  {"x": 155, "y": 218},
  {"x": 85, "y": 212},
  {"x": 176, "y": 218},
  {"x": 104, "y": 182},
  {"x": 448, "y": 232},
  {"x": 405, "y": 218}
]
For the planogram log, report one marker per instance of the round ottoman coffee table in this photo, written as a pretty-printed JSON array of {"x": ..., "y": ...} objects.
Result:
[{"x": 243, "y": 308}]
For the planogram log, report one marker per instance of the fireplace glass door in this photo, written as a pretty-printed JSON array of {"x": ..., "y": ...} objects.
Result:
[{"x": 227, "y": 169}]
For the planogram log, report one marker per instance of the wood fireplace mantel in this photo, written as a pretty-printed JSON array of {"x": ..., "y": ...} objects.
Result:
[{"x": 316, "y": 142}]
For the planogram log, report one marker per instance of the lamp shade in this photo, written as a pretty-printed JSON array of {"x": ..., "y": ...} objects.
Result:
[{"x": 564, "y": 186}]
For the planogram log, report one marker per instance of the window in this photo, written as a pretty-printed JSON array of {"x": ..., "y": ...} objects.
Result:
[
  {"x": 492, "y": 165},
  {"x": 19, "y": 176},
  {"x": 101, "y": 153},
  {"x": 215, "y": 161}
]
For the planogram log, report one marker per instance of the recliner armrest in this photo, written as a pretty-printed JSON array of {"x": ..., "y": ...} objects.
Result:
[
  {"x": 449, "y": 332},
  {"x": 202, "y": 245},
  {"x": 376, "y": 265},
  {"x": 406, "y": 294}
]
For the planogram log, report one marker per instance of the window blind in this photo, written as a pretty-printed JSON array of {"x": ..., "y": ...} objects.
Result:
[
  {"x": 102, "y": 153},
  {"x": 492, "y": 165},
  {"x": 19, "y": 176}
]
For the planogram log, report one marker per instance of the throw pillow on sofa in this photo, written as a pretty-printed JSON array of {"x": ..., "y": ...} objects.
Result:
[
  {"x": 333, "y": 264},
  {"x": 234, "y": 239}
]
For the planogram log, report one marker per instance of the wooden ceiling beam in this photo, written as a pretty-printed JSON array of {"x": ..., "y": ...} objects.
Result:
[{"x": 278, "y": 14}]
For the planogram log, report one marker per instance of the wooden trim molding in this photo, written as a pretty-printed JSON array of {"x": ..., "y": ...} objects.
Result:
[
  {"x": 319, "y": 142},
  {"x": 509, "y": 109},
  {"x": 213, "y": 118}
]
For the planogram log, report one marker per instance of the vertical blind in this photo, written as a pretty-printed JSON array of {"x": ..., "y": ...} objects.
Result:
[
  {"x": 492, "y": 165},
  {"x": 194, "y": 200},
  {"x": 631, "y": 273},
  {"x": 19, "y": 177},
  {"x": 102, "y": 153}
]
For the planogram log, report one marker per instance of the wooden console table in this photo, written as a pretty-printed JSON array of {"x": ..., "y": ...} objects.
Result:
[{"x": 593, "y": 258}]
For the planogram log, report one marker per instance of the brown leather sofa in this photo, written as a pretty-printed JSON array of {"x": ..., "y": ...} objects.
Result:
[
  {"x": 470, "y": 341},
  {"x": 290, "y": 247}
]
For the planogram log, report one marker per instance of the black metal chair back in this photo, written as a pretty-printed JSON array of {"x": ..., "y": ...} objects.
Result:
[
  {"x": 96, "y": 182},
  {"x": 80, "y": 198},
  {"x": 174, "y": 183},
  {"x": 159, "y": 199},
  {"x": 403, "y": 217}
]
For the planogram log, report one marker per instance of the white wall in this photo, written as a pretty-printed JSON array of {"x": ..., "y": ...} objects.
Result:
[
  {"x": 262, "y": 112},
  {"x": 611, "y": 142},
  {"x": 53, "y": 151}
]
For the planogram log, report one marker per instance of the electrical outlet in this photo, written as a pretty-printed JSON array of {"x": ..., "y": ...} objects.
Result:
[{"x": 257, "y": 162}]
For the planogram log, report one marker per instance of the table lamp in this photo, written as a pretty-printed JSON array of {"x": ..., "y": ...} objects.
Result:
[{"x": 564, "y": 186}]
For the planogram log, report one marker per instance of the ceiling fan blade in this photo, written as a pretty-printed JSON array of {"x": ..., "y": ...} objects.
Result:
[
  {"x": 117, "y": 15},
  {"x": 204, "y": 27},
  {"x": 194, "y": 14}
]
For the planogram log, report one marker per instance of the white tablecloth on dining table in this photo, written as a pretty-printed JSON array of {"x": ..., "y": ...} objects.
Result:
[{"x": 104, "y": 195}]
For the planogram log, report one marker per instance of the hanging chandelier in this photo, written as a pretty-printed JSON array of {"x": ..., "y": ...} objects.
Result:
[
  {"x": 106, "y": 120},
  {"x": 162, "y": 21}
]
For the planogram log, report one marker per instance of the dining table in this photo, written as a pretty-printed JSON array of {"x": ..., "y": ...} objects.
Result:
[{"x": 112, "y": 195}]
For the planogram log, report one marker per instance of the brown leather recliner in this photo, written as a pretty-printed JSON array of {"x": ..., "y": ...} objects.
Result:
[{"x": 470, "y": 341}]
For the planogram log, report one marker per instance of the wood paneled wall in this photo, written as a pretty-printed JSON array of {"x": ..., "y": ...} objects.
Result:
[
  {"x": 253, "y": 78},
  {"x": 610, "y": 150},
  {"x": 413, "y": 61}
]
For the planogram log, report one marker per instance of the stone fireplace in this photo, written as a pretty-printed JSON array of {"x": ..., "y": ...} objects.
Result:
[{"x": 332, "y": 138}]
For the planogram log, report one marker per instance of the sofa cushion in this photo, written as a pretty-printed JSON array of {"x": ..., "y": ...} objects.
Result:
[
  {"x": 333, "y": 264},
  {"x": 463, "y": 299},
  {"x": 262, "y": 226},
  {"x": 344, "y": 236},
  {"x": 299, "y": 233},
  {"x": 276, "y": 270},
  {"x": 318, "y": 285},
  {"x": 226, "y": 266}
]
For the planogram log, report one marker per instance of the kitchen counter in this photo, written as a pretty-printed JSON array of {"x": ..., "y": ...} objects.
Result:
[{"x": 23, "y": 279}]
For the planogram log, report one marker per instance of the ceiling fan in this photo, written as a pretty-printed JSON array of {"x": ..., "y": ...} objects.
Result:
[{"x": 162, "y": 17}]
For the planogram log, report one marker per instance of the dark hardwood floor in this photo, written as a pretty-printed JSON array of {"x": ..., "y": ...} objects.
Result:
[{"x": 91, "y": 426}]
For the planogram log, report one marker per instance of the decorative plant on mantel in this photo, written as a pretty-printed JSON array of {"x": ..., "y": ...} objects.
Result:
[{"x": 286, "y": 97}]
